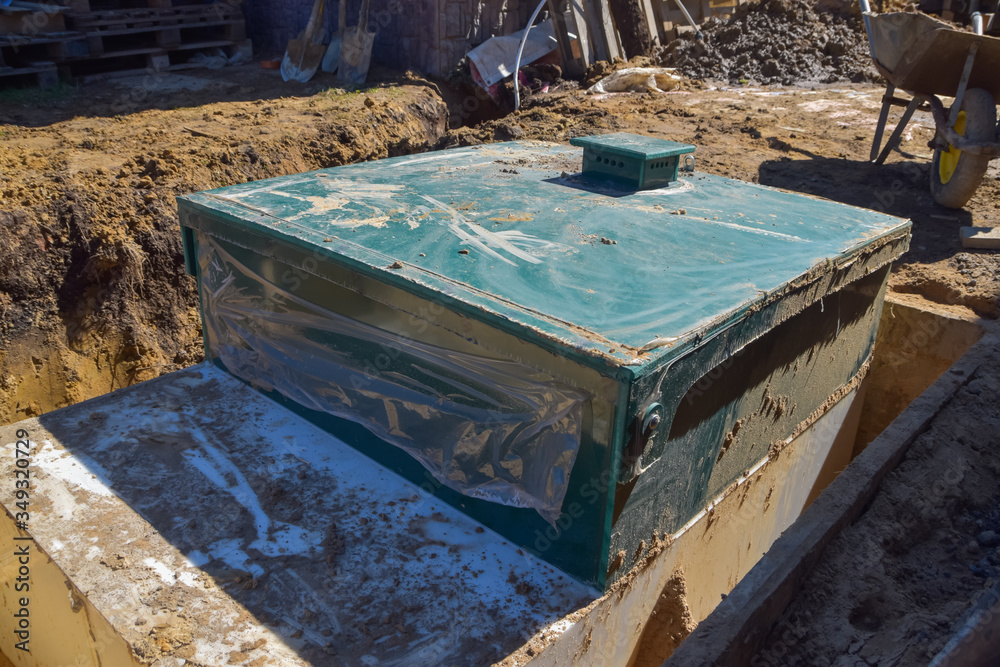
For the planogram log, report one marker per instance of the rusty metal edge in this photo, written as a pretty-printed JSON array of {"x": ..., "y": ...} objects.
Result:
[{"x": 735, "y": 631}]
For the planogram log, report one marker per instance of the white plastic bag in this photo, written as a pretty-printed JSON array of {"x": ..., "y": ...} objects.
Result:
[{"x": 638, "y": 80}]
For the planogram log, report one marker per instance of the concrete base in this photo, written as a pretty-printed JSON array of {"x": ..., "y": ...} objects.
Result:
[{"x": 190, "y": 520}]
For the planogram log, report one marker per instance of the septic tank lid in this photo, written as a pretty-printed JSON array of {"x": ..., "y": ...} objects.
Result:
[{"x": 643, "y": 162}]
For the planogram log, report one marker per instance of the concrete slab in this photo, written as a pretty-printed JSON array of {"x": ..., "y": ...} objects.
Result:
[
  {"x": 987, "y": 238},
  {"x": 198, "y": 523},
  {"x": 190, "y": 520}
]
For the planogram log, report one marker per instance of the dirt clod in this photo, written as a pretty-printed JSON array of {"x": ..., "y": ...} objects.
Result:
[{"x": 775, "y": 41}]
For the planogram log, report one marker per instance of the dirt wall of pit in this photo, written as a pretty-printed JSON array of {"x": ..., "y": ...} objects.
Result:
[{"x": 93, "y": 295}]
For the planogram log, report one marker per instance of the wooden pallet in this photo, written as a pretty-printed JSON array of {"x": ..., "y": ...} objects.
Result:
[
  {"x": 140, "y": 39},
  {"x": 31, "y": 18},
  {"x": 85, "y": 6},
  {"x": 150, "y": 59},
  {"x": 41, "y": 75},
  {"x": 132, "y": 19},
  {"x": 107, "y": 42},
  {"x": 17, "y": 50},
  {"x": 113, "y": 31}
]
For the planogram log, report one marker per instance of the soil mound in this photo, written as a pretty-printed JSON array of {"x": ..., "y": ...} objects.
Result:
[
  {"x": 775, "y": 41},
  {"x": 93, "y": 295}
]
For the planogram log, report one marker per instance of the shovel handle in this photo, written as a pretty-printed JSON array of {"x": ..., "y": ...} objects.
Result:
[
  {"x": 317, "y": 12},
  {"x": 363, "y": 15}
]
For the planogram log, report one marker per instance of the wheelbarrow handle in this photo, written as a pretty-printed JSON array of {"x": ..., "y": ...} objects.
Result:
[{"x": 866, "y": 9}]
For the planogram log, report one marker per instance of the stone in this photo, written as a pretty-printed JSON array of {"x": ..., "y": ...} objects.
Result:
[
  {"x": 988, "y": 538},
  {"x": 981, "y": 237}
]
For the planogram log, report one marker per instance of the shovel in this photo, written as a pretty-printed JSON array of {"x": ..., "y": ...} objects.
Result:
[
  {"x": 356, "y": 50},
  {"x": 304, "y": 53},
  {"x": 332, "y": 57}
]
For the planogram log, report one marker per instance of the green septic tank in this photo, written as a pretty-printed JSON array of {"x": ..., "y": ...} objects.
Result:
[{"x": 580, "y": 349}]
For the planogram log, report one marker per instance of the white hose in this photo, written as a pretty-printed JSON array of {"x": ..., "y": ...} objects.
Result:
[
  {"x": 520, "y": 49},
  {"x": 697, "y": 30}
]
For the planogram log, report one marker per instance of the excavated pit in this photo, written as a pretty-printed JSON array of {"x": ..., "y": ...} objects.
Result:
[
  {"x": 93, "y": 295},
  {"x": 918, "y": 342}
]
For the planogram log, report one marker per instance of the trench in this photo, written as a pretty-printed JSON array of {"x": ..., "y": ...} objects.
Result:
[
  {"x": 93, "y": 294},
  {"x": 917, "y": 342}
]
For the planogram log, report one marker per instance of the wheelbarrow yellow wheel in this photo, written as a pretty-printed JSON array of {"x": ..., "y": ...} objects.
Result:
[{"x": 956, "y": 174}]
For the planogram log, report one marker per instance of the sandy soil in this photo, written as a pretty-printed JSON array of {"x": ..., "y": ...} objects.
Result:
[
  {"x": 891, "y": 588},
  {"x": 93, "y": 294}
]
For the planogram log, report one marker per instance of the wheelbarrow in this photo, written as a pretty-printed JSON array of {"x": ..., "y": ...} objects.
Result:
[{"x": 928, "y": 58}]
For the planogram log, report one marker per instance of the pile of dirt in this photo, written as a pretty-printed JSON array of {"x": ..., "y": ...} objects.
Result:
[
  {"x": 775, "y": 41},
  {"x": 93, "y": 295}
]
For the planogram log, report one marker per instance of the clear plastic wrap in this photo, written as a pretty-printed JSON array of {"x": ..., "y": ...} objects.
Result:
[{"x": 487, "y": 428}]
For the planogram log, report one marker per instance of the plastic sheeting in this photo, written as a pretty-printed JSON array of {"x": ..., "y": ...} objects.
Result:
[
  {"x": 494, "y": 58},
  {"x": 490, "y": 429},
  {"x": 638, "y": 80}
]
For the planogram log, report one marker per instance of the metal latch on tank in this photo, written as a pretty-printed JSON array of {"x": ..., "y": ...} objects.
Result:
[
  {"x": 645, "y": 443},
  {"x": 643, "y": 163}
]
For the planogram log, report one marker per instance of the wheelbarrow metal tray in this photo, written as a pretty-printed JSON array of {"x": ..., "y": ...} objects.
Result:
[
  {"x": 502, "y": 330},
  {"x": 920, "y": 54}
]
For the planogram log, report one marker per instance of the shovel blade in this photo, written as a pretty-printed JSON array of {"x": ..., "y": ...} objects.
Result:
[
  {"x": 301, "y": 60},
  {"x": 355, "y": 55},
  {"x": 332, "y": 58}
]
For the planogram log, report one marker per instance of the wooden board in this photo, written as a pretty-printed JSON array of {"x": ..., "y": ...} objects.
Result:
[
  {"x": 21, "y": 77},
  {"x": 31, "y": 19},
  {"x": 671, "y": 17},
  {"x": 981, "y": 237}
]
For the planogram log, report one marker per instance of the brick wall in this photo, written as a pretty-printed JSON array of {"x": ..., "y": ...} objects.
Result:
[{"x": 428, "y": 36}]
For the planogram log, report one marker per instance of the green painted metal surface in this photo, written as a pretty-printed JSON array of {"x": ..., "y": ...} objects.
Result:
[
  {"x": 503, "y": 234},
  {"x": 637, "y": 161},
  {"x": 653, "y": 290}
]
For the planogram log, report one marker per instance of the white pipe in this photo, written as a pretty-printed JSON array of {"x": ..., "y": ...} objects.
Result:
[
  {"x": 690, "y": 20},
  {"x": 520, "y": 49},
  {"x": 977, "y": 23}
]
